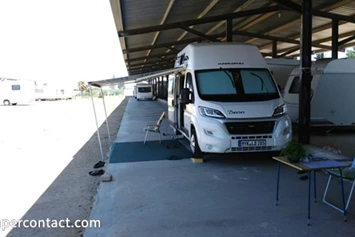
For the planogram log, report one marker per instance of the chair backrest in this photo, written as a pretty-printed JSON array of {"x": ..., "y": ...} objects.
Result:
[{"x": 160, "y": 120}]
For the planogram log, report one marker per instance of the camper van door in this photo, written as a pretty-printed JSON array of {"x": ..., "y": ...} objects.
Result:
[{"x": 175, "y": 108}]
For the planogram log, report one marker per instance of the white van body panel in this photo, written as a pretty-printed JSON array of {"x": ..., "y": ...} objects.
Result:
[
  {"x": 16, "y": 91},
  {"x": 281, "y": 69},
  {"x": 332, "y": 88},
  {"x": 216, "y": 55},
  {"x": 144, "y": 91},
  {"x": 135, "y": 91},
  {"x": 244, "y": 122}
]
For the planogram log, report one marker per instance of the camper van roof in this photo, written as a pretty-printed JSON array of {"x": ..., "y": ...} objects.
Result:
[
  {"x": 282, "y": 61},
  {"x": 343, "y": 65},
  {"x": 217, "y": 55},
  {"x": 317, "y": 66}
]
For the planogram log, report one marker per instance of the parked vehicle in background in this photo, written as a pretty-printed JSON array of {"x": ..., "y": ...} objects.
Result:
[
  {"x": 16, "y": 91},
  {"x": 51, "y": 92},
  {"x": 332, "y": 93},
  {"x": 144, "y": 91},
  {"x": 281, "y": 69},
  {"x": 223, "y": 99}
]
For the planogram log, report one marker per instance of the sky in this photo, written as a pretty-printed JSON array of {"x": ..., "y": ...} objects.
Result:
[{"x": 62, "y": 41}]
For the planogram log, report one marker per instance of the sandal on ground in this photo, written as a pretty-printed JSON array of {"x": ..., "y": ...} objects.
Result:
[
  {"x": 99, "y": 164},
  {"x": 97, "y": 172}
]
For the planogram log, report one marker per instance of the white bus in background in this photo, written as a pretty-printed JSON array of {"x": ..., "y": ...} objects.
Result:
[
  {"x": 281, "y": 69},
  {"x": 144, "y": 91},
  {"x": 16, "y": 91},
  {"x": 332, "y": 93}
]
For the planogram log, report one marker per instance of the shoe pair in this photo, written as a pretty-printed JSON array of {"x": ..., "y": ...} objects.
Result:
[{"x": 98, "y": 172}]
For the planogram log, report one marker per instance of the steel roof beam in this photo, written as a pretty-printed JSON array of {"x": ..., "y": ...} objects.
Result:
[
  {"x": 344, "y": 41},
  {"x": 350, "y": 33},
  {"x": 158, "y": 62},
  {"x": 195, "y": 32},
  {"x": 293, "y": 6},
  {"x": 204, "y": 20},
  {"x": 134, "y": 72},
  {"x": 168, "y": 44},
  {"x": 162, "y": 55},
  {"x": 167, "y": 12},
  {"x": 269, "y": 37},
  {"x": 167, "y": 65},
  {"x": 317, "y": 29}
]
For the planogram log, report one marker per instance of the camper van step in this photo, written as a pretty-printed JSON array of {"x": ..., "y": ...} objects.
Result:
[{"x": 197, "y": 160}]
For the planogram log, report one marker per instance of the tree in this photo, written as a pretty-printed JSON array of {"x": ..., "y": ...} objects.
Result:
[
  {"x": 83, "y": 87},
  {"x": 350, "y": 53}
]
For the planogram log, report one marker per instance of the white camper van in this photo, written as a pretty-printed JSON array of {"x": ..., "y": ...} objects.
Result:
[
  {"x": 332, "y": 93},
  {"x": 281, "y": 69},
  {"x": 224, "y": 99},
  {"x": 16, "y": 91},
  {"x": 144, "y": 91}
]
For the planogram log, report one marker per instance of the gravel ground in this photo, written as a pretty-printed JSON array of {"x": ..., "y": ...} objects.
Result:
[{"x": 47, "y": 150}]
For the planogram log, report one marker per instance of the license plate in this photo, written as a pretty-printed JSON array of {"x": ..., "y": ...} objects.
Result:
[{"x": 251, "y": 143}]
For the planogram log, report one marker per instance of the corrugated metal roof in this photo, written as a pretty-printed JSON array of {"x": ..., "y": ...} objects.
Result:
[{"x": 156, "y": 49}]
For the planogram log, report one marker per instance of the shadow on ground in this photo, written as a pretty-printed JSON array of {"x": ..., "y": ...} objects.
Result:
[{"x": 71, "y": 194}]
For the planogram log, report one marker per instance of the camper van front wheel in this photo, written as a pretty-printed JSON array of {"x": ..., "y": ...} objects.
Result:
[
  {"x": 7, "y": 102},
  {"x": 195, "y": 148}
]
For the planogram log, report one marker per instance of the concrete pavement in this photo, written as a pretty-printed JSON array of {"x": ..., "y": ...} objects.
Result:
[{"x": 229, "y": 195}]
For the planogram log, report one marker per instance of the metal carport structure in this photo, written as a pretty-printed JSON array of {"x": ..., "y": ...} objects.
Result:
[{"x": 152, "y": 32}]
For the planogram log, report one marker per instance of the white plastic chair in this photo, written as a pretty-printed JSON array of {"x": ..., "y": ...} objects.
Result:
[
  {"x": 347, "y": 175},
  {"x": 154, "y": 128}
]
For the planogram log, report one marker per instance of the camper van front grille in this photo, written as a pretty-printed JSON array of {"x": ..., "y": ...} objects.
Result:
[{"x": 250, "y": 127}]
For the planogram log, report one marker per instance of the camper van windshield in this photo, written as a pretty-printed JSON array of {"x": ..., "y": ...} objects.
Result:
[
  {"x": 231, "y": 85},
  {"x": 144, "y": 89}
]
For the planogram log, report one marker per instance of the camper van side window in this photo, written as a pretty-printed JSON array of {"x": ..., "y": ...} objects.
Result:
[
  {"x": 295, "y": 86},
  {"x": 15, "y": 87},
  {"x": 189, "y": 82}
]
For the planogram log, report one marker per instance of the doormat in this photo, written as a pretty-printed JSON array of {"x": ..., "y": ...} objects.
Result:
[{"x": 152, "y": 150}]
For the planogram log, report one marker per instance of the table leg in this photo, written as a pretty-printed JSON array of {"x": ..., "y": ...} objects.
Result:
[
  {"x": 315, "y": 186},
  {"x": 342, "y": 193},
  {"x": 309, "y": 197},
  {"x": 278, "y": 183}
]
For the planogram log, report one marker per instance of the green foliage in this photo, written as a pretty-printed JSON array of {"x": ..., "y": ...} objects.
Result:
[
  {"x": 294, "y": 151},
  {"x": 351, "y": 53},
  {"x": 83, "y": 87}
]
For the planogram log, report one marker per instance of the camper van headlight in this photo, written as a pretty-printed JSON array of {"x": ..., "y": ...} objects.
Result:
[
  {"x": 280, "y": 110},
  {"x": 204, "y": 111}
]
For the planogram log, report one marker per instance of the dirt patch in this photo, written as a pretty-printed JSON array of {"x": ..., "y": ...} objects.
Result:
[{"x": 71, "y": 194}]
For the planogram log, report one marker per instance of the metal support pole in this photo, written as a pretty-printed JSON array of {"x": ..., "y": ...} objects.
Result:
[
  {"x": 335, "y": 36},
  {"x": 274, "y": 49},
  {"x": 159, "y": 86},
  {"x": 342, "y": 193},
  {"x": 309, "y": 197},
  {"x": 278, "y": 183},
  {"x": 97, "y": 125},
  {"x": 315, "y": 185},
  {"x": 107, "y": 127},
  {"x": 306, "y": 76},
  {"x": 229, "y": 31},
  {"x": 155, "y": 86}
]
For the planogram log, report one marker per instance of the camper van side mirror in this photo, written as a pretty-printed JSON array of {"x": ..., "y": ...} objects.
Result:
[{"x": 184, "y": 96}]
